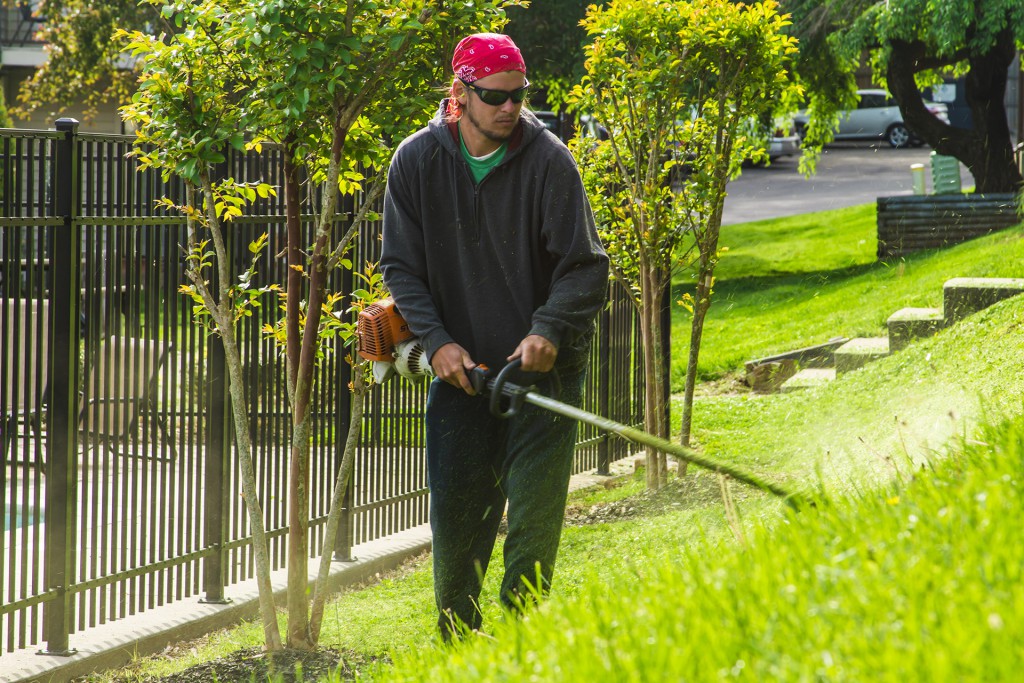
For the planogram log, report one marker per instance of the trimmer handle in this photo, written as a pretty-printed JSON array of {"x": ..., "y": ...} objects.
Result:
[
  {"x": 478, "y": 377},
  {"x": 481, "y": 379}
]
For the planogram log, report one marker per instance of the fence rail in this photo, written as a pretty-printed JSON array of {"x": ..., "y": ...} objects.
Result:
[{"x": 119, "y": 476}]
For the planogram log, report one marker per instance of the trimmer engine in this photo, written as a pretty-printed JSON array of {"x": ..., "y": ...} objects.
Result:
[{"x": 385, "y": 339}]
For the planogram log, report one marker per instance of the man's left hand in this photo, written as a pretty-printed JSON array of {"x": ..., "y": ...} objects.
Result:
[{"x": 537, "y": 353}]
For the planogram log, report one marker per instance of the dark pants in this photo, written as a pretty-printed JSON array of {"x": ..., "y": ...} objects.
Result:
[{"x": 476, "y": 462}]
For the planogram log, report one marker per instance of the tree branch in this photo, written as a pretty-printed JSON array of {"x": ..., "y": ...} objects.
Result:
[{"x": 942, "y": 137}]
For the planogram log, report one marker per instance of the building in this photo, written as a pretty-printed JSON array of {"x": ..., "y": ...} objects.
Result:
[{"x": 21, "y": 53}]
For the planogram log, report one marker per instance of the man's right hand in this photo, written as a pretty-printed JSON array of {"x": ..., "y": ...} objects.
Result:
[{"x": 451, "y": 363}]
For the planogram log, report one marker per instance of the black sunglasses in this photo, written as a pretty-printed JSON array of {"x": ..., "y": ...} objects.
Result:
[{"x": 496, "y": 98}]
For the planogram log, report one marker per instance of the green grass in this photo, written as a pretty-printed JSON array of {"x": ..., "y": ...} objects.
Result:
[
  {"x": 921, "y": 582},
  {"x": 910, "y": 403},
  {"x": 912, "y": 573},
  {"x": 794, "y": 282},
  {"x": 803, "y": 244}
]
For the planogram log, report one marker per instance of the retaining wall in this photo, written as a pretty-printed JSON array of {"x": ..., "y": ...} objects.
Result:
[{"x": 915, "y": 222}]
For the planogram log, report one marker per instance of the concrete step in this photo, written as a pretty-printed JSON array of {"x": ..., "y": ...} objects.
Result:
[
  {"x": 908, "y": 324},
  {"x": 807, "y": 378},
  {"x": 817, "y": 356},
  {"x": 964, "y": 296},
  {"x": 858, "y": 352},
  {"x": 769, "y": 373},
  {"x": 769, "y": 376}
]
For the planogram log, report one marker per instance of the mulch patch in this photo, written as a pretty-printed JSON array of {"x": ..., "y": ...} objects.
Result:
[
  {"x": 694, "y": 490},
  {"x": 254, "y": 664}
]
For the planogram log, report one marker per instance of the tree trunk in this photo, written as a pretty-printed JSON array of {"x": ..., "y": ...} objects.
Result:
[
  {"x": 298, "y": 635},
  {"x": 223, "y": 315},
  {"x": 985, "y": 149},
  {"x": 696, "y": 332},
  {"x": 333, "y": 517},
  {"x": 236, "y": 389},
  {"x": 708, "y": 245},
  {"x": 701, "y": 303},
  {"x": 654, "y": 376},
  {"x": 302, "y": 374},
  {"x": 992, "y": 164},
  {"x": 293, "y": 278}
]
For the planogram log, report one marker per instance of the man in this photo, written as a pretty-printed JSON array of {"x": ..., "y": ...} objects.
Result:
[{"x": 491, "y": 254}]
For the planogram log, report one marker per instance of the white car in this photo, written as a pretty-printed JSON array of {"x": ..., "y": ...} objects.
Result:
[{"x": 877, "y": 116}]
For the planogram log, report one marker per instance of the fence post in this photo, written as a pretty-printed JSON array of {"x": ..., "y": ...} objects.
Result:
[
  {"x": 604, "y": 456},
  {"x": 666, "y": 355},
  {"x": 215, "y": 503},
  {"x": 343, "y": 539},
  {"x": 62, "y": 416},
  {"x": 639, "y": 396},
  {"x": 215, "y": 467}
]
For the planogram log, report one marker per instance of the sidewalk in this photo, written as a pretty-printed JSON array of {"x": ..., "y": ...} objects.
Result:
[{"x": 118, "y": 642}]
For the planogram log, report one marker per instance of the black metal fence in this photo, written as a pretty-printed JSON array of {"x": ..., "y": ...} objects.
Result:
[{"x": 120, "y": 484}]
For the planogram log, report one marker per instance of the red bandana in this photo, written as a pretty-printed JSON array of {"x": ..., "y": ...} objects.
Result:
[{"x": 483, "y": 54}]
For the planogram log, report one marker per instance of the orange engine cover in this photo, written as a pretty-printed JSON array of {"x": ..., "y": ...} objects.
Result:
[{"x": 380, "y": 327}]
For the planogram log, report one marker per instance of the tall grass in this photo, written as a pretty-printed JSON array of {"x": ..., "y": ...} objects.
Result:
[{"x": 922, "y": 582}]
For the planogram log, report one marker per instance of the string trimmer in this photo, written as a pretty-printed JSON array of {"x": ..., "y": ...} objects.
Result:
[{"x": 385, "y": 339}]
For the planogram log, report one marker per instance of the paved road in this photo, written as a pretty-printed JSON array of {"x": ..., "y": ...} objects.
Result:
[{"x": 848, "y": 174}]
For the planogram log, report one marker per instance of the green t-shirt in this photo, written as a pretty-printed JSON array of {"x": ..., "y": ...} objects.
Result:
[{"x": 481, "y": 166}]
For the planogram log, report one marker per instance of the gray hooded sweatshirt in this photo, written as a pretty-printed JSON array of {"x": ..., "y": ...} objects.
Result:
[{"x": 486, "y": 265}]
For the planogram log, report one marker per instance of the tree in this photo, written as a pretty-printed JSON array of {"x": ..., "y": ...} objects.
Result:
[
  {"x": 188, "y": 109},
  {"x": 5, "y": 122},
  {"x": 5, "y": 117},
  {"x": 335, "y": 83},
  {"x": 676, "y": 84},
  {"x": 549, "y": 34},
  {"x": 912, "y": 44},
  {"x": 83, "y": 62}
]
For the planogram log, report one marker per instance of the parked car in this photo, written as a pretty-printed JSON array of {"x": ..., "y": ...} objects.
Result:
[
  {"x": 783, "y": 141},
  {"x": 591, "y": 128},
  {"x": 877, "y": 116}
]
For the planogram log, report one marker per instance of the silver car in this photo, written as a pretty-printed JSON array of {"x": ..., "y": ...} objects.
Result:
[
  {"x": 784, "y": 142},
  {"x": 877, "y": 116}
]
